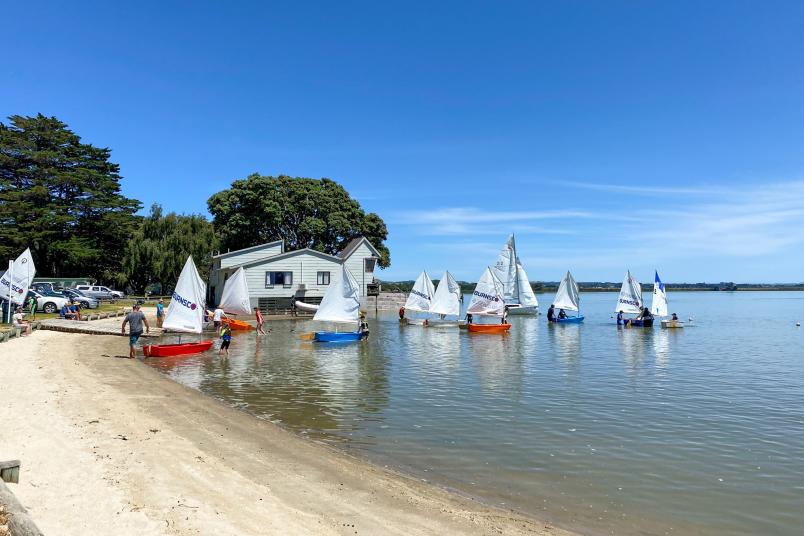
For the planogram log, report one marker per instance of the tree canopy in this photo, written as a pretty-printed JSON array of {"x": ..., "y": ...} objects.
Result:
[
  {"x": 61, "y": 198},
  {"x": 158, "y": 249},
  {"x": 306, "y": 213}
]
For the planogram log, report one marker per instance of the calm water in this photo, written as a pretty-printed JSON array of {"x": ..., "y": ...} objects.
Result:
[{"x": 606, "y": 430}]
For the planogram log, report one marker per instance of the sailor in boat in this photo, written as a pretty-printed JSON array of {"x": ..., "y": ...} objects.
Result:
[
  {"x": 620, "y": 320},
  {"x": 363, "y": 327},
  {"x": 551, "y": 312},
  {"x": 645, "y": 314},
  {"x": 561, "y": 314},
  {"x": 468, "y": 318},
  {"x": 675, "y": 317}
]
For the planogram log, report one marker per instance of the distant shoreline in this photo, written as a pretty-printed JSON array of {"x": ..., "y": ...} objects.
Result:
[{"x": 467, "y": 288}]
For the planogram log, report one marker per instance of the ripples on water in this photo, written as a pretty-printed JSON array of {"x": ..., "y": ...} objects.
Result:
[{"x": 624, "y": 431}]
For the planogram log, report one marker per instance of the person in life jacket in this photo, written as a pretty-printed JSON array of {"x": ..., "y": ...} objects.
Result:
[
  {"x": 402, "y": 313},
  {"x": 620, "y": 318},
  {"x": 551, "y": 313}
]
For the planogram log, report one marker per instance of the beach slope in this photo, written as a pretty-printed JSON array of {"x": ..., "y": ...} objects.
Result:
[{"x": 110, "y": 446}]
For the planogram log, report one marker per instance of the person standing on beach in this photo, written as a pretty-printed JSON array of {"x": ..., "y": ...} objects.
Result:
[
  {"x": 260, "y": 321},
  {"x": 160, "y": 313},
  {"x": 135, "y": 319},
  {"x": 32, "y": 306},
  {"x": 226, "y": 339}
]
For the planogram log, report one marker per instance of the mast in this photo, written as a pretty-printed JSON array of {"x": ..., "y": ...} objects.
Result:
[{"x": 516, "y": 266}]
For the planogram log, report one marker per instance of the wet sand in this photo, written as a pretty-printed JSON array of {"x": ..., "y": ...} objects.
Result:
[{"x": 110, "y": 446}]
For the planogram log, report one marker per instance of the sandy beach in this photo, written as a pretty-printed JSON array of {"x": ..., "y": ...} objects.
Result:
[{"x": 109, "y": 446}]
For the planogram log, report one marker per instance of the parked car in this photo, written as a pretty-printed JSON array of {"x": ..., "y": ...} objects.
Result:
[
  {"x": 46, "y": 288},
  {"x": 48, "y": 303},
  {"x": 87, "y": 302},
  {"x": 96, "y": 291}
]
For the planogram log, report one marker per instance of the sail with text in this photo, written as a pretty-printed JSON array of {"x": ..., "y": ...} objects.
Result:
[
  {"x": 487, "y": 298},
  {"x": 187, "y": 305},
  {"x": 658, "y": 304},
  {"x": 15, "y": 282},
  {"x": 505, "y": 269},
  {"x": 421, "y": 295},
  {"x": 630, "y": 299}
]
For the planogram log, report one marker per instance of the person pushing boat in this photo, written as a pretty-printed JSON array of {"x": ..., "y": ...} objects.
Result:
[
  {"x": 551, "y": 313},
  {"x": 620, "y": 318},
  {"x": 135, "y": 319},
  {"x": 363, "y": 327}
]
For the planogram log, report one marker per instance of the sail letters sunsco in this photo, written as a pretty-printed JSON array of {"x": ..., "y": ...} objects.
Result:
[
  {"x": 185, "y": 302},
  {"x": 629, "y": 302},
  {"x": 485, "y": 296}
]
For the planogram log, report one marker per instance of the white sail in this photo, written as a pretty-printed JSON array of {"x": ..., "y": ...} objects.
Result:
[
  {"x": 505, "y": 270},
  {"x": 567, "y": 297},
  {"x": 526, "y": 296},
  {"x": 341, "y": 302},
  {"x": 487, "y": 299},
  {"x": 447, "y": 298},
  {"x": 186, "y": 310},
  {"x": 23, "y": 272},
  {"x": 630, "y": 300},
  {"x": 235, "y": 298},
  {"x": 421, "y": 295},
  {"x": 658, "y": 304}
]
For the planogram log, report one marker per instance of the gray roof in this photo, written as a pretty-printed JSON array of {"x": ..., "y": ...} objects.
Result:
[{"x": 354, "y": 244}]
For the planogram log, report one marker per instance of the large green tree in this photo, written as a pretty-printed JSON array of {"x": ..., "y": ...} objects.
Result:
[
  {"x": 306, "y": 213},
  {"x": 61, "y": 198},
  {"x": 159, "y": 248}
]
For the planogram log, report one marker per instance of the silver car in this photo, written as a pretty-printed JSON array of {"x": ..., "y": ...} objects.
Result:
[
  {"x": 95, "y": 291},
  {"x": 87, "y": 302}
]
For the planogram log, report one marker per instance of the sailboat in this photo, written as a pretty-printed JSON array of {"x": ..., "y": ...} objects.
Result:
[
  {"x": 568, "y": 299},
  {"x": 630, "y": 302},
  {"x": 419, "y": 299},
  {"x": 487, "y": 300},
  {"x": 185, "y": 314},
  {"x": 658, "y": 304},
  {"x": 340, "y": 304},
  {"x": 446, "y": 302},
  {"x": 235, "y": 300},
  {"x": 517, "y": 291}
]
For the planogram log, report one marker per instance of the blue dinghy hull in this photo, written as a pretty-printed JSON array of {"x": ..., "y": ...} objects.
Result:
[
  {"x": 332, "y": 336},
  {"x": 570, "y": 320}
]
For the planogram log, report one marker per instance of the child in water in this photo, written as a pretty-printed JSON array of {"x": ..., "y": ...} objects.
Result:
[{"x": 226, "y": 338}]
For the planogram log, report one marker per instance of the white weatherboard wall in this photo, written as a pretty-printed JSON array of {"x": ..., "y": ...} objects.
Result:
[
  {"x": 305, "y": 267},
  {"x": 355, "y": 265}
]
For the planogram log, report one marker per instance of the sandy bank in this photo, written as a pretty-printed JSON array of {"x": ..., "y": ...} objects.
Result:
[{"x": 110, "y": 446}]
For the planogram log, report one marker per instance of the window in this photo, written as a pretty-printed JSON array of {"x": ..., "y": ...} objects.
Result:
[
  {"x": 323, "y": 278},
  {"x": 278, "y": 278},
  {"x": 369, "y": 265}
]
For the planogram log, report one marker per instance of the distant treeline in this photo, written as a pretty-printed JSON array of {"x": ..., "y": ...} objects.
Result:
[{"x": 599, "y": 286}]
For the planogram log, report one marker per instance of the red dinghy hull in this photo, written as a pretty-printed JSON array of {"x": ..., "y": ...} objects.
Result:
[
  {"x": 168, "y": 350},
  {"x": 489, "y": 328}
]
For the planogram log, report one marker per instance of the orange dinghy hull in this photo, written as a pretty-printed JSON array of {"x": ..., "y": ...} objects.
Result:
[
  {"x": 237, "y": 324},
  {"x": 488, "y": 328}
]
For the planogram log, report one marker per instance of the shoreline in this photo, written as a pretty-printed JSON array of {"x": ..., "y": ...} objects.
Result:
[{"x": 113, "y": 446}]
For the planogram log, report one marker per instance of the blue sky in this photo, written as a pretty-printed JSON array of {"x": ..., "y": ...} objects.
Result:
[{"x": 607, "y": 135}]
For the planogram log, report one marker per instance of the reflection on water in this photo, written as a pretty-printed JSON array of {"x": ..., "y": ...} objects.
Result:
[{"x": 606, "y": 429}]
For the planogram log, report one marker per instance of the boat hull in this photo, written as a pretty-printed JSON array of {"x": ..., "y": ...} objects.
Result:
[
  {"x": 446, "y": 323},
  {"x": 488, "y": 328},
  {"x": 637, "y": 323},
  {"x": 168, "y": 350},
  {"x": 523, "y": 310},
  {"x": 672, "y": 324},
  {"x": 306, "y": 307},
  {"x": 416, "y": 321},
  {"x": 237, "y": 324},
  {"x": 569, "y": 320},
  {"x": 334, "y": 336}
]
